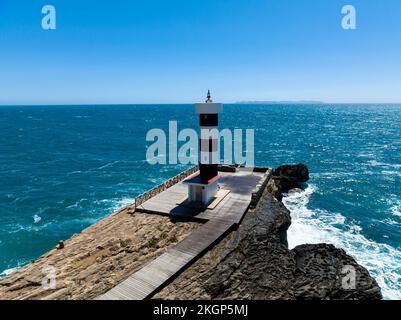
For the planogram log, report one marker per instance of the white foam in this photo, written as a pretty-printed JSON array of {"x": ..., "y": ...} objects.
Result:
[
  {"x": 110, "y": 164},
  {"x": 391, "y": 173},
  {"x": 36, "y": 218},
  {"x": 375, "y": 163},
  {"x": 396, "y": 209},
  {"x": 117, "y": 204},
  {"x": 320, "y": 226},
  {"x": 8, "y": 271}
]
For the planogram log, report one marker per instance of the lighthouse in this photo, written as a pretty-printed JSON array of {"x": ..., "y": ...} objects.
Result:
[{"x": 203, "y": 187}]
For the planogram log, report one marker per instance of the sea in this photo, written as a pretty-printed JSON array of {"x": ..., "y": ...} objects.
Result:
[{"x": 63, "y": 168}]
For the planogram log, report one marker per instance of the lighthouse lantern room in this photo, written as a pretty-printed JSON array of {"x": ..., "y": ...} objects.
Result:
[{"x": 203, "y": 186}]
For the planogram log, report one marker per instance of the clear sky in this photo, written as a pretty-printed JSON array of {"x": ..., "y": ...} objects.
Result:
[{"x": 159, "y": 51}]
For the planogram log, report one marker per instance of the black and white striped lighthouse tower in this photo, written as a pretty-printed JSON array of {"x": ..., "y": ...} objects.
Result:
[
  {"x": 203, "y": 187},
  {"x": 208, "y": 120}
]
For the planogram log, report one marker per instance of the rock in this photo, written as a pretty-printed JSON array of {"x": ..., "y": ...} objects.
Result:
[
  {"x": 326, "y": 269},
  {"x": 60, "y": 245},
  {"x": 57, "y": 295},
  {"x": 294, "y": 191},
  {"x": 289, "y": 177},
  {"x": 273, "y": 188},
  {"x": 254, "y": 262}
]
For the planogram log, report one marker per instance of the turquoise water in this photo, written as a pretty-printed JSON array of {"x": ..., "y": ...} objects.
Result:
[{"x": 63, "y": 168}]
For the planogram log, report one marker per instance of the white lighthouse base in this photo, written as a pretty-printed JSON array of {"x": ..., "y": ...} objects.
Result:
[
  {"x": 199, "y": 192},
  {"x": 203, "y": 193}
]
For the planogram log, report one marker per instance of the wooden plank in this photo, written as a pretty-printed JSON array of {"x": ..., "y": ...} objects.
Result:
[{"x": 151, "y": 277}]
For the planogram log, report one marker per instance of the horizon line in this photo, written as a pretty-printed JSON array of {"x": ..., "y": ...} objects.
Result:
[{"x": 278, "y": 102}]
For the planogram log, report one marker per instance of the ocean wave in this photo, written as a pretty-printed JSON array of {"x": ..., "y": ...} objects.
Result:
[
  {"x": 321, "y": 226},
  {"x": 11, "y": 269},
  {"x": 391, "y": 173},
  {"x": 366, "y": 154},
  {"x": 392, "y": 222},
  {"x": 110, "y": 164},
  {"x": 396, "y": 209},
  {"x": 117, "y": 204},
  {"x": 74, "y": 172},
  {"x": 374, "y": 163},
  {"x": 8, "y": 272},
  {"x": 22, "y": 227},
  {"x": 77, "y": 205}
]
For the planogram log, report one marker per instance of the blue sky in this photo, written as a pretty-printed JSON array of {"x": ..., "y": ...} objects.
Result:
[{"x": 159, "y": 51}]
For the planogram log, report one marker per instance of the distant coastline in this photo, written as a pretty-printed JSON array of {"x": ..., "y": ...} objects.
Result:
[
  {"x": 311, "y": 102},
  {"x": 282, "y": 102}
]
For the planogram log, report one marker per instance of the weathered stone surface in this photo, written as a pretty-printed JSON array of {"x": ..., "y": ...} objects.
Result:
[
  {"x": 254, "y": 262},
  {"x": 321, "y": 274},
  {"x": 273, "y": 188},
  {"x": 95, "y": 260}
]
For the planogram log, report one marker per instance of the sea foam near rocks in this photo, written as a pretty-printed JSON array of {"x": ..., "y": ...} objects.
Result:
[{"x": 320, "y": 226}]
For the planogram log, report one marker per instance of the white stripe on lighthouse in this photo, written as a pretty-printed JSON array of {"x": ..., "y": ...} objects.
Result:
[{"x": 209, "y": 157}]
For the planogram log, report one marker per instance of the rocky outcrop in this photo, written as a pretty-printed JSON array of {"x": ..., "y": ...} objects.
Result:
[
  {"x": 289, "y": 177},
  {"x": 325, "y": 272},
  {"x": 254, "y": 262}
]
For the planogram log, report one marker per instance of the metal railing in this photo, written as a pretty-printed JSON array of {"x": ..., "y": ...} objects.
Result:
[{"x": 164, "y": 185}]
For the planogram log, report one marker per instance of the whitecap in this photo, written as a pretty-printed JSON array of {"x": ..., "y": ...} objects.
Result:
[
  {"x": 396, "y": 209},
  {"x": 108, "y": 165},
  {"x": 375, "y": 163},
  {"x": 36, "y": 218},
  {"x": 117, "y": 204},
  {"x": 390, "y": 221},
  {"x": 320, "y": 226},
  {"x": 74, "y": 172},
  {"x": 77, "y": 204},
  {"x": 8, "y": 272},
  {"x": 391, "y": 173}
]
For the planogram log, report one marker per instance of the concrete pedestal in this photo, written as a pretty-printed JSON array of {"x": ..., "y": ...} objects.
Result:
[{"x": 202, "y": 192}]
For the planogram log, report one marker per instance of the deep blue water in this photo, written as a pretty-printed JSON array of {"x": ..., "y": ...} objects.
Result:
[{"x": 62, "y": 168}]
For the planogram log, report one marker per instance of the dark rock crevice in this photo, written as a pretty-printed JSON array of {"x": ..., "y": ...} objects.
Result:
[{"x": 288, "y": 177}]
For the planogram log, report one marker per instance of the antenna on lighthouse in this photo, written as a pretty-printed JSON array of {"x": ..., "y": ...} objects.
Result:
[{"x": 208, "y": 97}]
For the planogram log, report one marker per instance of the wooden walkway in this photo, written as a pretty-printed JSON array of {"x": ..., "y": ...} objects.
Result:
[
  {"x": 229, "y": 212},
  {"x": 160, "y": 271}
]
